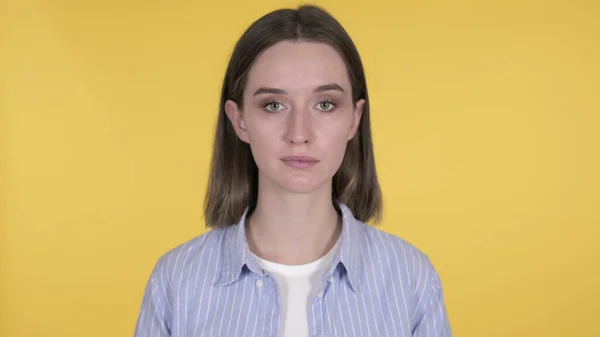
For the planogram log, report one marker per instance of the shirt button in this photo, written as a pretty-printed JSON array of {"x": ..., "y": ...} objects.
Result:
[
  {"x": 259, "y": 283},
  {"x": 330, "y": 279},
  {"x": 320, "y": 294}
]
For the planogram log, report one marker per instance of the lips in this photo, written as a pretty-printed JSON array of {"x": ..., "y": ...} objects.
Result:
[{"x": 299, "y": 161}]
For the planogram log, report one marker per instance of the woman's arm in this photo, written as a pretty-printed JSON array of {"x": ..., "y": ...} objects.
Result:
[
  {"x": 433, "y": 319},
  {"x": 155, "y": 313}
]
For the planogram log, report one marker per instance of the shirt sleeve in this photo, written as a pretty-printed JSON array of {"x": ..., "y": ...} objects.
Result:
[
  {"x": 154, "y": 317},
  {"x": 433, "y": 322}
]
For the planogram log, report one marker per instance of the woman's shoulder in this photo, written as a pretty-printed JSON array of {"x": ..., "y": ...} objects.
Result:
[
  {"x": 399, "y": 253},
  {"x": 405, "y": 269},
  {"x": 192, "y": 252},
  {"x": 391, "y": 242}
]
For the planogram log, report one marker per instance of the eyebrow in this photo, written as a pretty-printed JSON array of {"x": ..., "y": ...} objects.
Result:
[{"x": 321, "y": 88}]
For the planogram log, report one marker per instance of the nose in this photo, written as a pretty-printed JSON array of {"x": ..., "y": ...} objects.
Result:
[{"x": 299, "y": 127}]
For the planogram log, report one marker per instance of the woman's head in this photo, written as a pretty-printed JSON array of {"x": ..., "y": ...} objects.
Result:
[{"x": 294, "y": 115}]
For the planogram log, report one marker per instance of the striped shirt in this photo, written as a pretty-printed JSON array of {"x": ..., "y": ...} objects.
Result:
[{"x": 378, "y": 285}]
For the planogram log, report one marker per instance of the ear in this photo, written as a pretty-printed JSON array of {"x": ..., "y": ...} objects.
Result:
[
  {"x": 234, "y": 113},
  {"x": 357, "y": 114}
]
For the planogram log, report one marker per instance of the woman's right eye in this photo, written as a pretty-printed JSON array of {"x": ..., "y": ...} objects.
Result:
[{"x": 273, "y": 106}]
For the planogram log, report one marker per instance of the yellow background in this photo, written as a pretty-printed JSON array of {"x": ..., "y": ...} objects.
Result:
[{"x": 486, "y": 121}]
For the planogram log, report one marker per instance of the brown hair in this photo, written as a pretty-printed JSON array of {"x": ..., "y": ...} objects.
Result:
[{"x": 233, "y": 181}]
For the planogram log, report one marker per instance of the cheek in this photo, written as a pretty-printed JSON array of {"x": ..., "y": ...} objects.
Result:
[
  {"x": 263, "y": 139},
  {"x": 335, "y": 145}
]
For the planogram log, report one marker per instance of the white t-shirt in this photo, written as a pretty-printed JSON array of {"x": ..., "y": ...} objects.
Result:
[{"x": 298, "y": 285}]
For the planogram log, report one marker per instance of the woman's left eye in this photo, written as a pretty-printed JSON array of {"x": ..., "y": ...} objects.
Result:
[{"x": 326, "y": 106}]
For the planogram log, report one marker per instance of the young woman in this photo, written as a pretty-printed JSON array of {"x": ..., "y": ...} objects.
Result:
[{"x": 293, "y": 182}]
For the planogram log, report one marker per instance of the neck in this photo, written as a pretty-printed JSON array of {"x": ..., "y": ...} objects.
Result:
[{"x": 293, "y": 228}]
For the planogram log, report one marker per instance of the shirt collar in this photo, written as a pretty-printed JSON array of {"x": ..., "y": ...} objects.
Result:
[{"x": 237, "y": 255}]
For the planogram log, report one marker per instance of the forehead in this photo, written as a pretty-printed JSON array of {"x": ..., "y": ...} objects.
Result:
[{"x": 295, "y": 66}]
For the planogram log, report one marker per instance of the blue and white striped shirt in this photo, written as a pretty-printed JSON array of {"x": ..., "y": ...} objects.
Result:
[{"x": 212, "y": 286}]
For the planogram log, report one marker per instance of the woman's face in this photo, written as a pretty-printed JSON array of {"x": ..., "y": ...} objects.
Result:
[{"x": 297, "y": 116}]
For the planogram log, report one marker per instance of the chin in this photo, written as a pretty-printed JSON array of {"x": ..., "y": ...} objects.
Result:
[
  {"x": 299, "y": 182},
  {"x": 300, "y": 189},
  {"x": 302, "y": 186}
]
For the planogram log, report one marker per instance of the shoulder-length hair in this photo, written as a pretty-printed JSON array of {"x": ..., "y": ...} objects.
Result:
[{"x": 233, "y": 180}]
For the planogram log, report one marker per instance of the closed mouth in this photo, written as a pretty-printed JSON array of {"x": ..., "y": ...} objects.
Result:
[{"x": 300, "y": 159}]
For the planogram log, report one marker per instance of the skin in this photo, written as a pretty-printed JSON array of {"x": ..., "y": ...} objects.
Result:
[{"x": 309, "y": 113}]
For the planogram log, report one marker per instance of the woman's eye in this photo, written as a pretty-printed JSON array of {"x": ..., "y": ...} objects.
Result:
[
  {"x": 326, "y": 106},
  {"x": 273, "y": 106}
]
